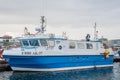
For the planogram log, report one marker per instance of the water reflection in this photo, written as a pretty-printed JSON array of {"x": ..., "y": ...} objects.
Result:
[
  {"x": 88, "y": 74},
  {"x": 116, "y": 71},
  {"x": 5, "y": 75}
]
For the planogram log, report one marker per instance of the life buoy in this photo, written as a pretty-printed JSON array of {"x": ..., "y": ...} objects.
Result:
[
  {"x": 107, "y": 52},
  {"x": 60, "y": 47}
]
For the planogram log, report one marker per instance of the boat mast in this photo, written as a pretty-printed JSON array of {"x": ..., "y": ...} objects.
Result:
[
  {"x": 95, "y": 32},
  {"x": 43, "y": 24},
  {"x": 41, "y": 29}
]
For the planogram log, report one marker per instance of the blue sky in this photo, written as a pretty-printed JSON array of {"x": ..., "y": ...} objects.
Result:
[{"x": 75, "y": 17}]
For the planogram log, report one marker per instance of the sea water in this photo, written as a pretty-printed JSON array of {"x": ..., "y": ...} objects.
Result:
[{"x": 109, "y": 73}]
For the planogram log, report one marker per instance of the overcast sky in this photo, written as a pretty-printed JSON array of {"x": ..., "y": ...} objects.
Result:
[{"x": 75, "y": 17}]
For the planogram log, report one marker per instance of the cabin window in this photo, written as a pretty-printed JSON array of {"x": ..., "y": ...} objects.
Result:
[
  {"x": 43, "y": 43},
  {"x": 25, "y": 43},
  {"x": 80, "y": 45},
  {"x": 34, "y": 42},
  {"x": 89, "y": 46},
  {"x": 51, "y": 43},
  {"x": 71, "y": 45},
  {"x": 57, "y": 42}
]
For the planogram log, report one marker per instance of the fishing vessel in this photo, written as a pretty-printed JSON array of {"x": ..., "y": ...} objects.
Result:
[
  {"x": 3, "y": 63},
  {"x": 46, "y": 52},
  {"x": 116, "y": 50}
]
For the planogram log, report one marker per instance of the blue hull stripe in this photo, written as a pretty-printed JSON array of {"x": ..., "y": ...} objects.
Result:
[{"x": 49, "y": 62}]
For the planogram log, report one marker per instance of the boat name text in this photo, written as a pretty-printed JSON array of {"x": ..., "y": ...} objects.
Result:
[{"x": 31, "y": 53}]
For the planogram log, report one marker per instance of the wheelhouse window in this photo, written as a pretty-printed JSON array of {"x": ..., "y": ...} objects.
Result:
[
  {"x": 80, "y": 45},
  {"x": 43, "y": 43},
  {"x": 51, "y": 43},
  {"x": 72, "y": 45},
  {"x": 89, "y": 46},
  {"x": 57, "y": 42},
  {"x": 34, "y": 42},
  {"x": 25, "y": 42}
]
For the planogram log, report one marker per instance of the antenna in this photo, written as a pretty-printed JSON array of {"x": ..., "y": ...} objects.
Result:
[
  {"x": 26, "y": 32},
  {"x": 64, "y": 35}
]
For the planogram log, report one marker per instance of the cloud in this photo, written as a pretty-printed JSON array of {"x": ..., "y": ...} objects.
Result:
[
  {"x": 72, "y": 14},
  {"x": 29, "y": 11}
]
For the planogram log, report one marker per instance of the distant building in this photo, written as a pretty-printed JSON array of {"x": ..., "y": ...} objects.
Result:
[
  {"x": 7, "y": 38},
  {"x": 115, "y": 43}
]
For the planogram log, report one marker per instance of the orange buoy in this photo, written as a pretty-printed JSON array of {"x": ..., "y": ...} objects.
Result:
[
  {"x": 106, "y": 56},
  {"x": 107, "y": 52}
]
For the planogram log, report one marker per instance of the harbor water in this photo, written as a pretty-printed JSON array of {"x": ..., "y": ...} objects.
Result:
[{"x": 110, "y": 73}]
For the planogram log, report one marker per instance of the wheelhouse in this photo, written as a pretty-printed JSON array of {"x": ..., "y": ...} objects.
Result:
[{"x": 37, "y": 42}]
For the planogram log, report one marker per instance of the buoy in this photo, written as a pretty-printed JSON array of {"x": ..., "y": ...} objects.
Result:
[
  {"x": 106, "y": 56},
  {"x": 106, "y": 53}
]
